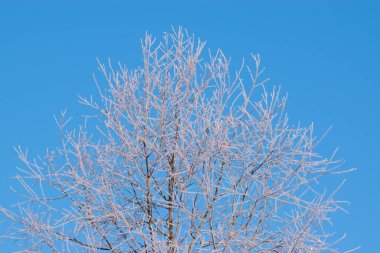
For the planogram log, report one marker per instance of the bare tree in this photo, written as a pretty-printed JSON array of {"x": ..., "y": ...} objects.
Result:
[{"x": 187, "y": 157}]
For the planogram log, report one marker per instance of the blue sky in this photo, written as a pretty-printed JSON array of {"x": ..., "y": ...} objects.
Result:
[{"x": 324, "y": 54}]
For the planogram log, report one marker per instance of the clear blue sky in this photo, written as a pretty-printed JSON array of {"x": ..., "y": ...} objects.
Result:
[{"x": 325, "y": 54}]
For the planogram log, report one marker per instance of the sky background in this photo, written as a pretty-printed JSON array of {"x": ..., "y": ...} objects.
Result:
[{"x": 325, "y": 55}]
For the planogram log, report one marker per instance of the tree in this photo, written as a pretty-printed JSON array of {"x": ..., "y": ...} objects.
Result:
[{"x": 186, "y": 157}]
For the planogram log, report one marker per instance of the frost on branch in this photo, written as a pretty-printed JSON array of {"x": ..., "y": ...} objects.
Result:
[{"x": 186, "y": 157}]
